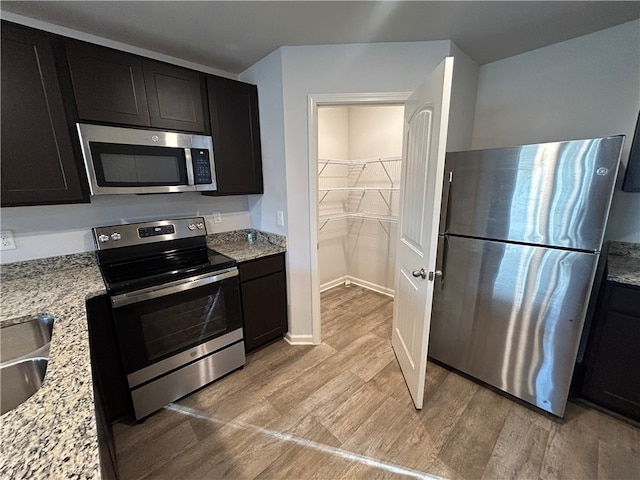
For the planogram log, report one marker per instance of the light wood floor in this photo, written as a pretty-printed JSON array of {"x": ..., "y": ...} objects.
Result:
[{"x": 341, "y": 410}]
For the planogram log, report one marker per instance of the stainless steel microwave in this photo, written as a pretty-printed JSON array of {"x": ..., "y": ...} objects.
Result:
[{"x": 128, "y": 160}]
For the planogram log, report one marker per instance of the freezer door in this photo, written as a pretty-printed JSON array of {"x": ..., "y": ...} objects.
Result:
[
  {"x": 512, "y": 315},
  {"x": 554, "y": 194}
]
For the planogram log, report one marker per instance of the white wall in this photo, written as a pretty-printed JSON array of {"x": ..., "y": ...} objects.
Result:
[
  {"x": 51, "y": 230},
  {"x": 375, "y": 131},
  {"x": 581, "y": 88},
  {"x": 333, "y": 132},
  {"x": 359, "y": 68},
  {"x": 267, "y": 75}
]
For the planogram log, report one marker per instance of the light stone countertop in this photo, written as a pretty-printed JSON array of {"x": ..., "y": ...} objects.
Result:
[
  {"x": 53, "y": 434},
  {"x": 623, "y": 263},
  {"x": 235, "y": 244}
]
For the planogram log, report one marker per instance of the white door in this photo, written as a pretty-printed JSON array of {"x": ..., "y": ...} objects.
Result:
[{"x": 425, "y": 138}]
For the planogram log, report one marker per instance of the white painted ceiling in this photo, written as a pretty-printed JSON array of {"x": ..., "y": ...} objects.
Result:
[{"x": 231, "y": 36}]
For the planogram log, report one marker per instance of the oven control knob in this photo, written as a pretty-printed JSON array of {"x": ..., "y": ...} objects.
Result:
[
  {"x": 103, "y": 238},
  {"x": 115, "y": 236},
  {"x": 191, "y": 226},
  {"x": 200, "y": 225}
]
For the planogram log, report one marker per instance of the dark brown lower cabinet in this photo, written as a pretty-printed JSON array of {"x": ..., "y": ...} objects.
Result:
[
  {"x": 110, "y": 389},
  {"x": 263, "y": 288},
  {"x": 612, "y": 370}
]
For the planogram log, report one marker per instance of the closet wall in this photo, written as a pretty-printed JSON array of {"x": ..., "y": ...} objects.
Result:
[{"x": 359, "y": 177}]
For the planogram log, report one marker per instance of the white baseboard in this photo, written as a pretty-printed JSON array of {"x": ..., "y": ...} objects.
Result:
[
  {"x": 299, "y": 339},
  {"x": 357, "y": 281},
  {"x": 372, "y": 286},
  {"x": 333, "y": 283}
]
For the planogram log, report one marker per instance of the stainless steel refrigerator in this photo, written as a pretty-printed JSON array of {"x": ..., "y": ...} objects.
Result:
[{"x": 521, "y": 230}]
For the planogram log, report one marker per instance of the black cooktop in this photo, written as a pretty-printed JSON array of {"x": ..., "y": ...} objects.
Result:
[
  {"x": 129, "y": 274},
  {"x": 141, "y": 255}
]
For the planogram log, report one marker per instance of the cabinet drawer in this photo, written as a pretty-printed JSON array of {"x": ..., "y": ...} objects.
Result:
[
  {"x": 261, "y": 267},
  {"x": 625, "y": 300}
]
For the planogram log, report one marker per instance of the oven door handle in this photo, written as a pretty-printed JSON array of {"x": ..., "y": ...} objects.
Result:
[{"x": 171, "y": 288}]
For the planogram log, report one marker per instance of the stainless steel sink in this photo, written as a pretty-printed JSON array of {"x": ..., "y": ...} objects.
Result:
[
  {"x": 19, "y": 380},
  {"x": 25, "y": 338},
  {"x": 24, "y": 354}
]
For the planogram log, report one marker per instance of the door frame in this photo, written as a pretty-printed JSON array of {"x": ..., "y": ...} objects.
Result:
[{"x": 313, "y": 102}]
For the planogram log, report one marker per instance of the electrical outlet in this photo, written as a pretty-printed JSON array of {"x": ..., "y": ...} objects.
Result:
[
  {"x": 6, "y": 240},
  {"x": 280, "y": 218},
  {"x": 217, "y": 217}
]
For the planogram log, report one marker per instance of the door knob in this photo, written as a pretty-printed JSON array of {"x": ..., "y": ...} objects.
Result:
[{"x": 422, "y": 273}]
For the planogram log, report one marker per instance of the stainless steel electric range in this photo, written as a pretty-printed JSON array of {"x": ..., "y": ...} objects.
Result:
[{"x": 176, "y": 308}]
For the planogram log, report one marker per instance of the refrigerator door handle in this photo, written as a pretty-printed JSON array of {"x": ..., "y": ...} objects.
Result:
[
  {"x": 441, "y": 256},
  {"x": 446, "y": 197}
]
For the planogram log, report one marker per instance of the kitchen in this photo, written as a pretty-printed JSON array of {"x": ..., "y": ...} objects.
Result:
[{"x": 514, "y": 95}]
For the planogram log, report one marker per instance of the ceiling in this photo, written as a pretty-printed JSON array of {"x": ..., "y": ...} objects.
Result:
[{"x": 231, "y": 36}]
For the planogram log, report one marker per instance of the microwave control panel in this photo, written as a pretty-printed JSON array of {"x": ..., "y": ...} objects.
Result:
[{"x": 201, "y": 166}]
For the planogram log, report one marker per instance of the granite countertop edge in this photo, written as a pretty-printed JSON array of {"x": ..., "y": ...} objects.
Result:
[
  {"x": 62, "y": 439},
  {"x": 623, "y": 263}
]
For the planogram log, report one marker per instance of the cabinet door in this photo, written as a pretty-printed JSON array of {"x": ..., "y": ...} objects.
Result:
[
  {"x": 38, "y": 161},
  {"x": 235, "y": 129},
  {"x": 264, "y": 307},
  {"x": 612, "y": 378},
  {"x": 108, "y": 85},
  {"x": 174, "y": 96}
]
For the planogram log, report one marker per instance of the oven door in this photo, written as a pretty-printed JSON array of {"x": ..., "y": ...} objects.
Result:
[{"x": 163, "y": 328}]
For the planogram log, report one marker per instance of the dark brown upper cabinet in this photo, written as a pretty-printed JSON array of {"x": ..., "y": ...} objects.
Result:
[
  {"x": 38, "y": 162},
  {"x": 108, "y": 85},
  {"x": 235, "y": 129},
  {"x": 120, "y": 88},
  {"x": 175, "y": 96}
]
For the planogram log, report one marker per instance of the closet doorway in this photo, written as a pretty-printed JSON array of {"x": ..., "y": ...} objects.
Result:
[{"x": 358, "y": 166}]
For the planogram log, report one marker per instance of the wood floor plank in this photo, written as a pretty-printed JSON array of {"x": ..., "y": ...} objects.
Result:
[
  {"x": 287, "y": 398},
  {"x": 304, "y": 456},
  {"x": 519, "y": 450},
  {"x": 474, "y": 436},
  {"x": 440, "y": 414},
  {"x": 378, "y": 433},
  {"x": 352, "y": 411},
  {"x": 616, "y": 462},
  {"x": 162, "y": 449},
  {"x": 572, "y": 449},
  {"x": 321, "y": 403}
]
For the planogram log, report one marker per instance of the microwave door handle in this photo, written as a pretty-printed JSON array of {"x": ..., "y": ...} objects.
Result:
[{"x": 189, "y": 162}]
